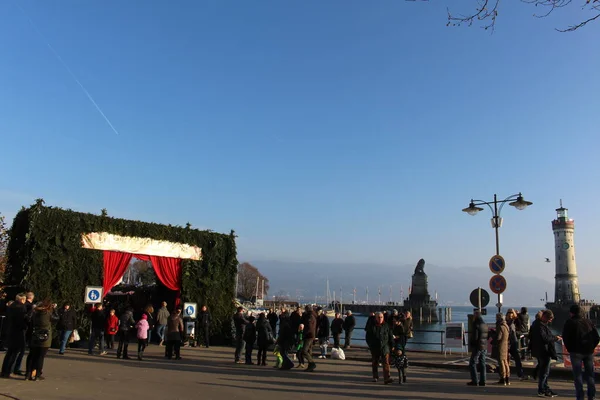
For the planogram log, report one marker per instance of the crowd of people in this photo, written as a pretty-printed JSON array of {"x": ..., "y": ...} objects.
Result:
[
  {"x": 297, "y": 334},
  {"x": 579, "y": 336},
  {"x": 30, "y": 325},
  {"x": 386, "y": 336}
]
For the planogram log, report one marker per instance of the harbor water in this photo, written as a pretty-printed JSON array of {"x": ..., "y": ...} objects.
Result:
[{"x": 429, "y": 336}]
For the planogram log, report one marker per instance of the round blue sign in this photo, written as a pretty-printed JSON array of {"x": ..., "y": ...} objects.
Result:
[
  {"x": 189, "y": 310},
  {"x": 93, "y": 295},
  {"x": 497, "y": 264}
]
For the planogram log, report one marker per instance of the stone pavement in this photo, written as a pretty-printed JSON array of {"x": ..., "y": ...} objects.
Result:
[{"x": 211, "y": 374}]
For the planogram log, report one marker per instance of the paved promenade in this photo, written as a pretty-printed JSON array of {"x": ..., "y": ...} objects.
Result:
[{"x": 211, "y": 374}]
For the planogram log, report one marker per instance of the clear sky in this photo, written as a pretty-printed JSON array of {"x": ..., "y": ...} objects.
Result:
[{"x": 344, "y": 131}]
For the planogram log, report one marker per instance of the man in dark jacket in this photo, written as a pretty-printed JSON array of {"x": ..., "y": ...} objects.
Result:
[
  {"x": 29, "y": 297},
  {"x": 543, "y": 348},
  {"x": 283, "y": 314},
  {"x": 580, "y": 337},
  {"x": 285, "y": 340},
  {"x": 295, "y": 320},
  {"x": 66, "y": 324},
  {"x": 309, "y": 319},
  {"x": 16, "y": 320},
  {"x": 349, "y": 324},
  {"x": 337, "y": 326},
  {"x": 98, "y": 317},
  {"x": 273, "y": 318},
  {"x": 204, "y": 323},
  {"x": 322, "y": 332},
  {"x": 126, "y": 323},
  {"x": 380, "y": 340},
  {"x": 513, "y": 342},
  {"x": 523, "y": 323},
  {"x": 478, "y": 341},
  {"x": 240, "y": 323}
]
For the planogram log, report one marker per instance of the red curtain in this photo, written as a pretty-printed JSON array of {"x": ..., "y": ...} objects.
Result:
[
  {"x": 167, "y": 270},
  {"x": 115, "y": 265}
]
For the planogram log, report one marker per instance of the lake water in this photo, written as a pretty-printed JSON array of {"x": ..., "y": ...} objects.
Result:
[{"x": 428, "y": 336}]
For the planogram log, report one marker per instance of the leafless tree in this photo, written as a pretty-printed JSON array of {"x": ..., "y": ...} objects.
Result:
[
  {"x": 3, "y": 245},
  {"x": 486, "y": 12},
  {"x": 281, "y": 296},
  {"x": 248, "y": 276}
]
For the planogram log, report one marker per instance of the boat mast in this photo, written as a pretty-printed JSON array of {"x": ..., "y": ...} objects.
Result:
[
  {"x": 333, "y": 301},
  {"x": 256, "y": 296}
]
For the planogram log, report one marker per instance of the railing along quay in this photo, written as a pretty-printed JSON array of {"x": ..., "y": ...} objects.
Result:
[{"x": 411, "y": 342}]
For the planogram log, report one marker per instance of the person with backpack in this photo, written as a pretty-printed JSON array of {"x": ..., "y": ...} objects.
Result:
[
  {"x": 522, "y": 324},
  {"x": 580, "y": 337}
]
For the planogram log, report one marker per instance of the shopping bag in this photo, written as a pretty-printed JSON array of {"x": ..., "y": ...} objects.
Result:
[{"x": 337, "y": 354}]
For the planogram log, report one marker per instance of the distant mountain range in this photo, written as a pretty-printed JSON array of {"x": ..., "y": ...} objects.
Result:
[{"x": 305, "y": 280}]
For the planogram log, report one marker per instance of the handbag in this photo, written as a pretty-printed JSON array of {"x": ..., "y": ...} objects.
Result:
[{"x": 38, "y": 336}]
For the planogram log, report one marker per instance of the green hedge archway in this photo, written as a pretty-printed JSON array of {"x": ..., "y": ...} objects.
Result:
[{"x": 45, "y": 256}]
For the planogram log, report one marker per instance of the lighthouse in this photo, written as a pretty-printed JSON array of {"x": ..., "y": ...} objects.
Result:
[{"x": 566, "y": 286}]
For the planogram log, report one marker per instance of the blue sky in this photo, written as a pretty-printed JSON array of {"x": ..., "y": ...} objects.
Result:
[{"x": 344, "y": 131}]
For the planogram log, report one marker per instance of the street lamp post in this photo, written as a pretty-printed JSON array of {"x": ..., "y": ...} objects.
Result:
[{"x": 519, "y": 203}]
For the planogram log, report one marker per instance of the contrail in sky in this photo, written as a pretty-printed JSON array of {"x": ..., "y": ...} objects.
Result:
[{"x": 89, "y": 96}]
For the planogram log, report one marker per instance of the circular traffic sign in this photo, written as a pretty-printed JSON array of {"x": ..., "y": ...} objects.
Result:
[
  {"x": 474, "y": 297},
  {"x": 189, "y": 310},
  {"x": 498, "y": 284},
  {"x": 93, "y": 295},
  {"x": 497, "y": 264}
]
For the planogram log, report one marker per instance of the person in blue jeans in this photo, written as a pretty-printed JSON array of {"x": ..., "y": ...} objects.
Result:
[
  {"x": 543, "y": 348},
  {"x": 580, "y": 337},
  {"x": 98, "y": 317},
  {"x": 66, "y": 325},
  {"x": 162, "y": 317},
  {"x": 478, "y": 341}
]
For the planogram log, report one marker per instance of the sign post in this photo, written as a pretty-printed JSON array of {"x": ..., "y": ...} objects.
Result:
[
  {"x": 93, "y": 294},
  {"x": 498, "y": 282}
]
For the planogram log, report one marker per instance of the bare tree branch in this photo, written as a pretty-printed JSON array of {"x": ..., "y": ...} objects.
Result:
[
  {"x": 482, "y": 13},
  {"x": 579, "y": 25},
  {"x": 487, "y": 10}
]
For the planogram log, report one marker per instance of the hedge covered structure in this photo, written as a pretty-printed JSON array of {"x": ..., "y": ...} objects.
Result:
[{"x": 45, "y": 255}]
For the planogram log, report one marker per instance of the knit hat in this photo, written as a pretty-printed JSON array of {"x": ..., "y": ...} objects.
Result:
[
  {"x": 499, "y": 317},
  {"x": 575, "y": 309},
  {"x": 144, "y": 316}
]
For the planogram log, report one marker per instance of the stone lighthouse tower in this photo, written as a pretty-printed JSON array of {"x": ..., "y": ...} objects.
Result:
[{"x": 566, "y": 289}]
